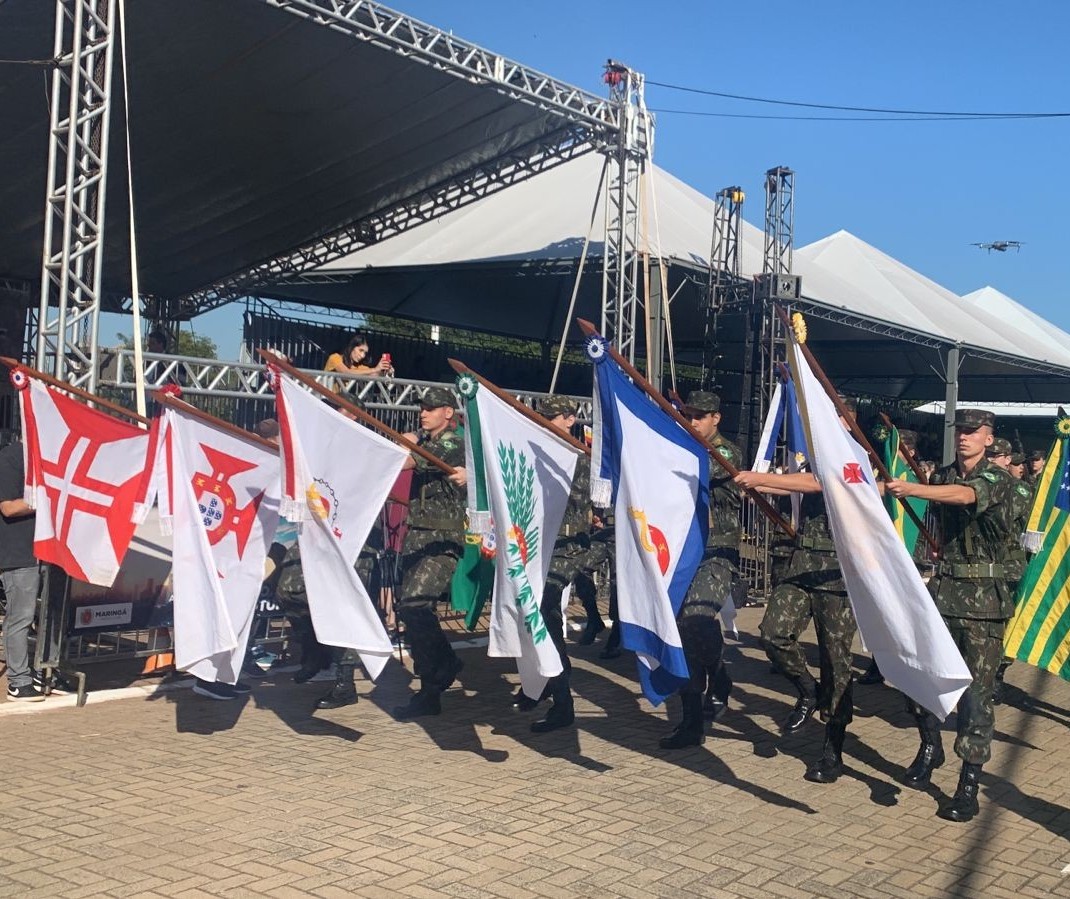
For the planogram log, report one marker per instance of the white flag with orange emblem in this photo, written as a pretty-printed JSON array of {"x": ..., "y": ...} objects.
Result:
[
  {"x": 223, "y": 493},
  {"x": 336, "y": 476}
]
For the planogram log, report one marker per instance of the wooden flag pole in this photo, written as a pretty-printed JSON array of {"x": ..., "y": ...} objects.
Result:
[
  {"x": 15, "y": 365},
  {"x": 512, "y": 402},
  {"x": 358, "y": 413},
  {"x": 859, "y": 435},
  {"x": 910, "y": 460},
  {"x": 180, "y": 405},
  {"x": 643, "y": 384}
]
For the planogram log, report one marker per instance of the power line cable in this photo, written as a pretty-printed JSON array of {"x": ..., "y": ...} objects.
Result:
[
  {"x": 877, "y": 109},
  {"x": 871, "y": 118}
]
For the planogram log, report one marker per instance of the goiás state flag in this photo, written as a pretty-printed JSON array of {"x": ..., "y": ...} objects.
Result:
[
  {"x": 220, "y": 499},
  {"x": 88, "y": 475},
  {"x": 336, "y": 476},
  {"x": 658, "y": 478},
  {"x": 897, "y": 618}
]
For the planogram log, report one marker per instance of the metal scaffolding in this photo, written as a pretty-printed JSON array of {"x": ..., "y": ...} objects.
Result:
[
  {"x": 724, "y": 286},
  {"x": 80, "y": 105},
  {"x": 628, "y": 158}
]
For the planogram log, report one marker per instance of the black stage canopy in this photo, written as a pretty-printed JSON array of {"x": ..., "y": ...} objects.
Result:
[{"x": 258, "y": 129}]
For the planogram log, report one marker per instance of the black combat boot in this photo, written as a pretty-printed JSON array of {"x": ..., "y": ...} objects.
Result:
[
  {"x": 424, "y": 702},
  {"x": 805, "y": 707},
  {"x": 998, "y": 687},
  {"x": 612, "y": 647},
  {"x": 963, "y": 805},
  {"x": 447, "y": 671},
  {"x": 829, "y": 767},
  {"x": 930, "y": 754},
  {"x": 344, "y": 691},
  {"x": 524, "y": 703},
  {"x": 872, "y": 674},
  {"x": 561, "y": 713},
  {"x": 717, "y": 692},
  {"x": 690, "y": 730}
]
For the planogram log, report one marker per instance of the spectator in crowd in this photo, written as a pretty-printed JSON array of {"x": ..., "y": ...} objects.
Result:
[
  {"x": 19, "y": 574},
  {"x": 351, "y": 359},
  {"x": 1035, "y": 466},
  {"x": 157, "y": 342}
]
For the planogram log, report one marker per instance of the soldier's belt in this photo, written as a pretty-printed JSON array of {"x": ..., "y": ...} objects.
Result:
[
  {"x": 575, "y": 530},
  {"x": 972, "y": 570},
  {"x": 819, "y": 543},
  {"x": 437, "y": 524}
]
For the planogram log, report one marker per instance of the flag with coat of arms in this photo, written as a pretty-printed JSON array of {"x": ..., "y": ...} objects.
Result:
[
  {"x": 656, "y": 475},
  {"x": 336, "y": 477},
  {"x": 525, "y": 472},
  {"x": 897, "y": 618},
  {"x": 220, "y": 499},
  {"x": 87, "y": 474}
]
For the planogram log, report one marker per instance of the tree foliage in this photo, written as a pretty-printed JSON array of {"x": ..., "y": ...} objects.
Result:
[{"x": 189, "y": 344}]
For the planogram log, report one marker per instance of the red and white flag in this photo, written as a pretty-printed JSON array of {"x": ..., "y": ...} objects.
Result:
[
  {"x": 222, "y": 492},
  {"x": 88, "y": 475},
  {"x": 336, "y": 476}
]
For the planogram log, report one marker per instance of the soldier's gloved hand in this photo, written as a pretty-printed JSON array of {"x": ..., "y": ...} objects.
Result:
[{"x": 459, "y": 476}]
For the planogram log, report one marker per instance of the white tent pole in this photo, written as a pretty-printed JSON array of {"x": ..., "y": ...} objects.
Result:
[
  {"x": 135, "y": 291},
  {"x": 579, "y": 274},
  {"x": 663, "y": 271}
]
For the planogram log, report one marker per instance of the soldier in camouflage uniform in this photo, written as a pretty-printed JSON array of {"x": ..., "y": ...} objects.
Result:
[
  {"x": 811, "y": 586},
  {"x": 433, "y": 546},
  {"x": 293, "y": 600},
  {"x": 566, "y": 565},
  {"x": 700, "y": 629},
  {"x": 978, "y": 505}
]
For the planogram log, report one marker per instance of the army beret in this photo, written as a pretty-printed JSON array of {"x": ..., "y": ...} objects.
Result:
[
  {"x": 972, "y": 419},
  {"x": 703, "y": 402},
  {"x": 435, "y": 397},
  {"x": 552, "y": 406},
  {"x": 1000, "y": 447},
  {"x": 1037, "y": 454}
]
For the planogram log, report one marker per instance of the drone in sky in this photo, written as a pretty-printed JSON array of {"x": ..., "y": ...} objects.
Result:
[{"x": 1000, "y": 246}]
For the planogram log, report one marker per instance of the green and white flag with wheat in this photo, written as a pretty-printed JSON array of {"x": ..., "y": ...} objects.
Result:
[{"x": 528, "y": 474}]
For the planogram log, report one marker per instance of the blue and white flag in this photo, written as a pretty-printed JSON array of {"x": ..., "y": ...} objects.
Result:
[
  {"x": 782, "y": 421},
  {"x": 660, "y": 494}
]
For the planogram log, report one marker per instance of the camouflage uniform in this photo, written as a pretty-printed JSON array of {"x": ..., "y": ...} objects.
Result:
[
  {"x": 601, "y": 556},
  {"x": 432, "y": 548},
  {"x": 812, "y": 586},
  {"x": 566, "y": 564},
  {"x": 292, "y": 598},
  {"x": 973, "y": 590},
  {"x": 700, "y": 629}
]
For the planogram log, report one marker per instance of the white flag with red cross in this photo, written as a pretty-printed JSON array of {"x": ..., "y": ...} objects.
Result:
[
  {"x": 222, "y": 491},
  {"x": 88, "y": 475},
  {"x": 336, "y": 476}
]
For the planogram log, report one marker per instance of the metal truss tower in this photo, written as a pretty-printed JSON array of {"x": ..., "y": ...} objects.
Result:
[
  {"x": 723, "y": 287},
  {"x": 628, "y": 161},
  {"x": 76, "y": 181},
  {"x": 765, "y": 334}
]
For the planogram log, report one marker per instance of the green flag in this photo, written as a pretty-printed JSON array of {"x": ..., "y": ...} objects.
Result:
[
  {"x": 473, "y": 578},
  {"x": 1039, "y": 632},
  {"x": 901, "y": 471}
]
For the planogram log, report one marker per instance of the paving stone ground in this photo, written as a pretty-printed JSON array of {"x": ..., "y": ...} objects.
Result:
[{"x": 178, "y": 796}]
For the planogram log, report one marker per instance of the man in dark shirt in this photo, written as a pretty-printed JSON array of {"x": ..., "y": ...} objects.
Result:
[{"x": 19, "y": 574}]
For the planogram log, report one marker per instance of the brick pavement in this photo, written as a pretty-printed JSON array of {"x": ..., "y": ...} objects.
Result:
[{"x": 181, "y": 797}]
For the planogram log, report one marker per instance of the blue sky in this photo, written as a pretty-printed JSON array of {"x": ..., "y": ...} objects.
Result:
[{"x": 920, "y": 191}]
